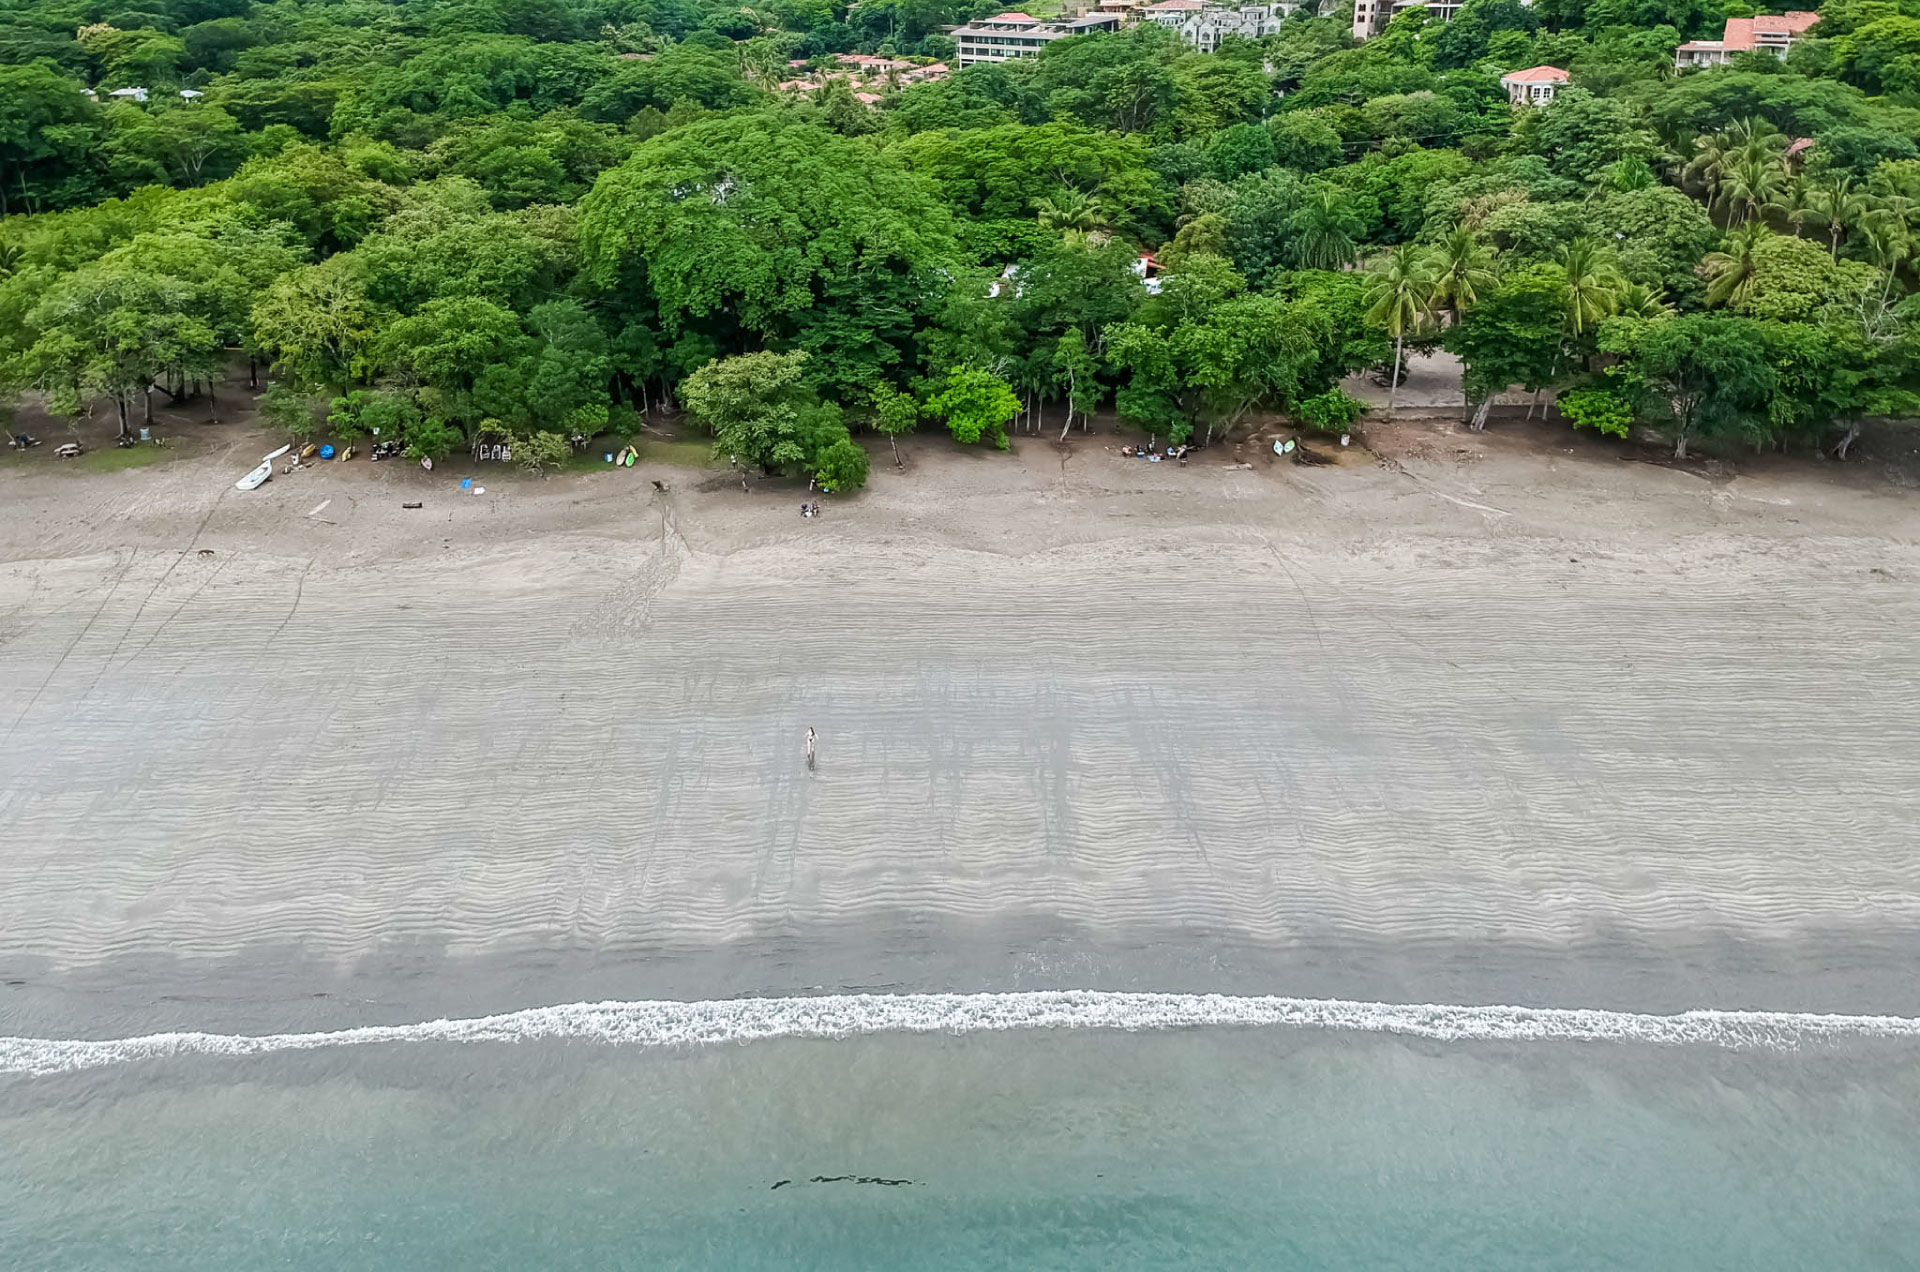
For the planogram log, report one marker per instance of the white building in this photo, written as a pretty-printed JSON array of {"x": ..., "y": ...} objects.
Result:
[
  {"x": 1774, "y": 32},
  {"x": 1370, "y": 17},
  {"x": 1011, "y": 35},
  {"x": 1535, "y": 86},
  {"x": 1205, "y": 25}
]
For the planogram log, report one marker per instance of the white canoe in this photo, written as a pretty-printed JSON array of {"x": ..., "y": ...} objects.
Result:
[{"x": 255, "y": 478}]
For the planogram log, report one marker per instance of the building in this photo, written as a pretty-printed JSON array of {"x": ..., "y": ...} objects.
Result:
[
  {"x": 1535, "y": 86},
  {"x": 1772, "y": 32},
  {"x": 1205, "y": 25},
  {"x": 1370, "y": 17},
  {"x": 1013, "y": 35}
]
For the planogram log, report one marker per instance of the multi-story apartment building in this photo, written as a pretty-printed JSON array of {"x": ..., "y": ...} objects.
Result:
[
  {"x": 1775, "y": 33},
  {"x": 1205, "y": 25},
  {"x": 1011, "y": 35},
  {"x": 1370, "y": 17}
]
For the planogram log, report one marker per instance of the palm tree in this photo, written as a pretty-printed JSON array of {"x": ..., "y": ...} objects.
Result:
[
  {"x": 1593, "y": 283},
  {"x": 1464, "y": 267},
  {"x": 1070, "y": 211},
  {"x": 1400, "y": 298},
  {"x": 1623, "y": 176},
  {"x": 1715, "y": 155},
  {"x": 1735, "y": 271},
  {"x": 1754, "y": 179},
  {"x": 9, "y": 259},
  {"x": 1836, "y": 203},
  {"x": 1888, "y": 228},
  {"x": 1327, "y": 230},
  {"x": 1637, "y": 300}
]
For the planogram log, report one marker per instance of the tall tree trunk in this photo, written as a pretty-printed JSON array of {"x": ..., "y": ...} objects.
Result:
[
  {"x": 895, "y": 443},
  {"x": 1039, "y": 417},
  {"x": 1393, "y": 390},
  {"x": 1479, "y": 424},
  {"x": 1844, "y": 444},
  {"x": 126, "y": 430},
  {"x": 146, "y": 402},
  {"x": 253, "y": 373}
]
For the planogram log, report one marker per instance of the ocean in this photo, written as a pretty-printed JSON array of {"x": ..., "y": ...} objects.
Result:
[{"x": 1003, "y": 1131}]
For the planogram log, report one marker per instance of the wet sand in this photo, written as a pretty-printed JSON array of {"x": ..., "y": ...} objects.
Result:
[{"x": 1512, "y": 701}]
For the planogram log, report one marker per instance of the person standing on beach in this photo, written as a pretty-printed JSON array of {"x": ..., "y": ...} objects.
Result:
[{"x": 809, "y": 747}]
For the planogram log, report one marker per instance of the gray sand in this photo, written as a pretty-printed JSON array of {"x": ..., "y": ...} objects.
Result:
[{"x": 1265, "y": 709}]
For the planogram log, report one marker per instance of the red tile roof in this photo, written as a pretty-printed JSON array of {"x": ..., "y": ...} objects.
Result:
[
  {"x": 1536, "y": 75},
  {"x": 1741, "y": 32}
]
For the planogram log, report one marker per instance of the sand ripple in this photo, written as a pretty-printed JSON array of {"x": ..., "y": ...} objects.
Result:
[{"x": 600, "y": 746}]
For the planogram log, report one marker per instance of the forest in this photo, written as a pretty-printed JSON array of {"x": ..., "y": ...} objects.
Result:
[{"x": 446, "y": 221}]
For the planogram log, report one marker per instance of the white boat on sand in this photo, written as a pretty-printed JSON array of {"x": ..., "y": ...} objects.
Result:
[{"x": 258, "y": 477}]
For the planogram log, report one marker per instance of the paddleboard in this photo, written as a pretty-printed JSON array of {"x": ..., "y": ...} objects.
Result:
[
  {"x": 268, "y": 459},
  {"x": 257, "y": 477}
]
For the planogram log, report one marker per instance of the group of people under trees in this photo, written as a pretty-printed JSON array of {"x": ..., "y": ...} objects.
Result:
[{"x": 542, "y": 219}]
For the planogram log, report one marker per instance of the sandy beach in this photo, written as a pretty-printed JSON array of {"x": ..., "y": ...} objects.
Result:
[{"x": 1512, "y": 695}]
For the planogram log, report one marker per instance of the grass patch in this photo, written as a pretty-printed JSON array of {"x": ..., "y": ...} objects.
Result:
[
  {"x": 652, "y": 450},
  {"x": 113, "y": 459}
]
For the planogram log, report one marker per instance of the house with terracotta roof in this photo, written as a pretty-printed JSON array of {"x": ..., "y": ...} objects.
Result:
[
  {"x": 1773, "y": 32},
  {"x": 1534, "y": 86}
]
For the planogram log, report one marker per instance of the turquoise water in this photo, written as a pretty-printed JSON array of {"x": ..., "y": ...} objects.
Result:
[{"x": 1201, "y": 1148}]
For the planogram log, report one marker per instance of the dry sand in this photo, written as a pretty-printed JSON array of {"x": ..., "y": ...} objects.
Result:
[{"x": 1492, "y": 691}]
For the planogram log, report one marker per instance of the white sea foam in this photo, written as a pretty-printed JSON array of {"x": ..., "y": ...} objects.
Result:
[{"x": 669, "y": 1024}]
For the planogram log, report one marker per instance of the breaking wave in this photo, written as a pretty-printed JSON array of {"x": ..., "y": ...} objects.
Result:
[{"x": 688, "y": 1024}]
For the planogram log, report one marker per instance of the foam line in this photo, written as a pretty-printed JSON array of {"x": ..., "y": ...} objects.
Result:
[{"x": 669, "y": 1024}]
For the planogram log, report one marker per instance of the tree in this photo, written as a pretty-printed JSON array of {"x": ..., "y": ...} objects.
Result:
[
  {"x": 1693, "y": 376},
  {"x": 1514, "y": 336},
  {"x": 841, "y": 467},
  {"x": 1401, "y": 299},
  {"x": 1075, "y": 370},
  {"x": 1327, "y": 228},
  {"x": 46, "y": 130},
  {"x": 751, "y": 405},
  {"x": 1735, "y": 269},
  {"x": 895, "y": 414},
  {"x": 1464, "y": 268},
  {"x": 1305, "y": 141},
  {"x": 1592, "y": 284},
  {"x": 1071, "y": 211},
  {"x": 1834, "y": 203},
  {"x": 747, "y": 218},
  {"x": 976, "y": 404},
  {"x": 110, "y": 329}
]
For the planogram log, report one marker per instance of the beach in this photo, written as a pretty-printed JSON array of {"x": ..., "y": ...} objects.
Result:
[
  {"x": 1482, "y": 852},
  {"x": 1472, "y": 720}
]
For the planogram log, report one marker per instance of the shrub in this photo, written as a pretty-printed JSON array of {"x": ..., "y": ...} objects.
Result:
[
  {"x": 1597, "y": 409},
  {"x": 1331, "y": 412},
  {"x": 431, "y": 438},
  {"x": 541, "y": 451},
  {"x": 842, "y": 467}
]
